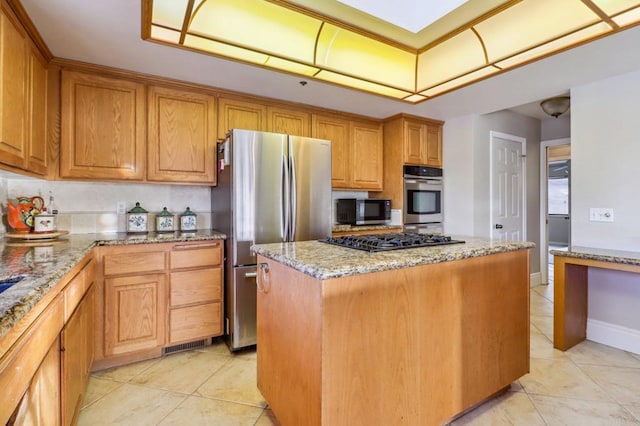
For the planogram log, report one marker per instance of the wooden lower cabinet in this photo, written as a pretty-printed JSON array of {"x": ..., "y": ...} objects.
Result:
[
  {"x": 45, "y": 358},
  {"x": 152, "y": 296},
  {"x": 134, "y": 312},
  {"x": 40, "y": 404},
  {"x": 76, "y": 357}
]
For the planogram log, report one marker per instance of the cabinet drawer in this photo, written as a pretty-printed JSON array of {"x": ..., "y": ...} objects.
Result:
[
  {"x": 199, "y": 286},
  {"x": 195, "y": 322},
  {"x": 134, "y": 263},
  {"x": 73, "y": 293},
  {"x": 196, "y": 256}
]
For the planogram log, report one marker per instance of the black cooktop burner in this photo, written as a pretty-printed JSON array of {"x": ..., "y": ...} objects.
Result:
[{"x": 384, "y": 242}]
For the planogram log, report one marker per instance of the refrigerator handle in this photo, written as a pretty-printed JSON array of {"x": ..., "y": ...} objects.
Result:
[
  {"x": 294, "y": 200},
  {"x": 284, "y": 199}
]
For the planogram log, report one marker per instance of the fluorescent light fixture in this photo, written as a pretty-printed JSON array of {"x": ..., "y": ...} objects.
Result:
[{"x": 284, "y": 36}]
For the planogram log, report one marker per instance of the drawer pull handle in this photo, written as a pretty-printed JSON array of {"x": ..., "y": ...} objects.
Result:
[
  {"x": 264, "y": 284},
  {"x": 196, "y": 246}
]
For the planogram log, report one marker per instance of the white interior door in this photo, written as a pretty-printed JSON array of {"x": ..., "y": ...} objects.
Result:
[{"x": 508, "y": 217}]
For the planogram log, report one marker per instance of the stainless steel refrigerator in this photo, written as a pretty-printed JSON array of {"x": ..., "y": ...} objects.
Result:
[{"x": 271, "y": 188}]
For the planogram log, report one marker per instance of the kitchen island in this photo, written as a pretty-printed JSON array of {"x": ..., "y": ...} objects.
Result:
[{"x": 414, "y": 336}]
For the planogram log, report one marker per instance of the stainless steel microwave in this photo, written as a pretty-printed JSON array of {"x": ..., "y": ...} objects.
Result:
[{"x": 371, "y": 211}]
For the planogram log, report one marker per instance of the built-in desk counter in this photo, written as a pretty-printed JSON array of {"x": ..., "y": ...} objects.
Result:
[{"x": 571, "y": 289}]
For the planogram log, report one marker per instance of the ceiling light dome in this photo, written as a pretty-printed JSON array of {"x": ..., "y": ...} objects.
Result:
[{"x": 557, "y": 106}]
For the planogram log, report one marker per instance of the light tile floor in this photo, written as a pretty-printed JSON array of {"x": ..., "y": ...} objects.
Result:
[{"x": 590, "y": 384}]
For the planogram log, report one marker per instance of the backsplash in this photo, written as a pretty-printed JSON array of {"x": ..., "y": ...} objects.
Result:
[{"x": 88, "y": 207}]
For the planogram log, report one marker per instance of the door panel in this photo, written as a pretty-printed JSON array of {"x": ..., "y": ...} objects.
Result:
[
  {"x": 259, "y": 187},
  {"x": 310, "y": 161},
  {"x": 507, "y": 187}
]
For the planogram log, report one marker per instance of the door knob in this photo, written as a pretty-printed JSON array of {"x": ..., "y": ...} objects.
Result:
[{"x": 498, "y": 226}]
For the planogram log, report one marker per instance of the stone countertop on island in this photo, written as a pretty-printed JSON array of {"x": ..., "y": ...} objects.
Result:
[
  {"x": 325, "y": 261},
  {"x": 44, "y": 266},
  {"x": 600, "y": 254}
]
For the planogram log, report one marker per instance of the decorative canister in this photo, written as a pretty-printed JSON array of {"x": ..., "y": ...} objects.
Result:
[
  {"x": 44, "y": 222},
  {"x": 137, "y": 219},
  {"x": 188, "y": 221},
  {"x": 165, "y": 221}
]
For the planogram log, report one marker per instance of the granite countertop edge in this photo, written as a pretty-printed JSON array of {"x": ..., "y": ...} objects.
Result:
[
  {"x": 42, "y": 277},
  {"x": 600, "y": 254},
  {"x": 324, "y": 261}
]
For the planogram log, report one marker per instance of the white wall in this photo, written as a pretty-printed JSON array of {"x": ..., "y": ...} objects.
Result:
[
  {"x": 605, "y": 152},
  {"x": 458, "y": 176},
  {"x": 88, "y": 207},
  {"x": 555, "y": 128}
]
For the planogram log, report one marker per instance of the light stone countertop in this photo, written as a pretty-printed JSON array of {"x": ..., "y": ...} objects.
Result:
[
  {"x": 600, "y": 254},
  {"x": 45, "y": 266},
  {"x": 324, "y": 261}
]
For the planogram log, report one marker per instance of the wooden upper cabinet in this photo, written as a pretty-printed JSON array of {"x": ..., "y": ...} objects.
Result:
[
  {"x": 287, "y": 121},
  {"x": 103, "y": 127},
  {"x": 181, "y": 136},
  {"x": 337, "y": 131},
  {"x": 37, "y": 101},
  {"x": 422, "y": 143},
  {"x": 366, "y": 156},
  {"x": 414, "y": 143},
  {"x": 13, "y": 94},
  {"x": 237, "y": 114},
  {"x": 434, "y": 146}
]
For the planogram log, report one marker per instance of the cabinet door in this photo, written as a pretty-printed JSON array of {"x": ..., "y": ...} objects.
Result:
[
  {"x": 337, "y": 131},
  {"x": 103, "y": 127},
  {"x": 414, "y": 142},
  {"x": 37, "y": 135},
  {"x": 40, "y": 405},
  {"x": 134, "y": 313},
  {"x": 433, "y": 155},
  {"x": 366, "y": 156},
  {"x": 289, "y": 122},
  {"x": 77, "y": 356},
  {"x": 181, "y": 146},
  {"x": 235, "y": 114},
  {"x": 13, "y": 94}
]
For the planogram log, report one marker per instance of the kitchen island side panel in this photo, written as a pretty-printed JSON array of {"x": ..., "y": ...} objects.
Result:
[
  {"x": 391, "y": 352},
  {"x": 289, "y": 341}
]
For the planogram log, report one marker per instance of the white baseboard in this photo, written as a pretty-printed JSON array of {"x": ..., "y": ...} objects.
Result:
[
  {"x": 535, "y": 279},
  {"x": 617, "y": 336}
]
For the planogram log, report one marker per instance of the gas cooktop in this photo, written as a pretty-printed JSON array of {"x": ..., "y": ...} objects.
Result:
[{"x": 385, "y": 242}]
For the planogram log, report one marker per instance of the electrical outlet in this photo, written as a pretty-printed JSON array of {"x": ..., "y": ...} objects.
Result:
[
  {"x": 600, "y": 215},
  {"x": 121, "y": 207}
]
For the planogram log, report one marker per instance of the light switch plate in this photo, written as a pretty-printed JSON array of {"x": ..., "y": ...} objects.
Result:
[
  {"x": 600, "y": 214},
  {"x": 121, "y": 207}
]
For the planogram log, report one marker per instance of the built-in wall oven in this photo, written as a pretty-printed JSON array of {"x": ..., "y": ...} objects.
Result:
[{"x": 423, "y": 199}]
